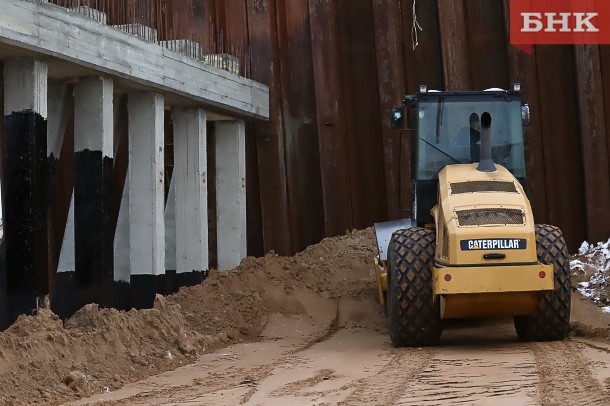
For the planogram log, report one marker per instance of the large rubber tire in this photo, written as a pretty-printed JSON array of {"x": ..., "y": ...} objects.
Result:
[
  {"x": 413, "y": 314},
  {"x": 552, "y": 317}
]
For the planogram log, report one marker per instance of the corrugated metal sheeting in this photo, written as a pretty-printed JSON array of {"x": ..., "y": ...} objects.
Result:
[{"x": 327, "y": 160}]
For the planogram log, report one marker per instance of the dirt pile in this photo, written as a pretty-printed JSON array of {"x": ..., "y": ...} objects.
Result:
[
  {"x": 591, "y": 272},
  {"x": 591, "y": 277},
  {"x": 46, "y": 361},
  {"x": 42, "y": 360}
]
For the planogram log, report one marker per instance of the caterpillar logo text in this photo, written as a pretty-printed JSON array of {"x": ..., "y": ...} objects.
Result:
[{"x": 494, "y": 244}]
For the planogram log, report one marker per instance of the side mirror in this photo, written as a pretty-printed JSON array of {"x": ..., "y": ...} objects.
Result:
[
  {"x": 525, "y": 115},
  {"x": 398, "y": 117}
]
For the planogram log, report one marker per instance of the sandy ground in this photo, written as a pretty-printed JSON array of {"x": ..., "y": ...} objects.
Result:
[
  {"x": 299, "y": 330},
  {"x": 347, "y": 363}
]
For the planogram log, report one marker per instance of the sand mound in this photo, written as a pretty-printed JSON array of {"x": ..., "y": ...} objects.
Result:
[
  {"x": 330, "y": 285},
  {"x": 45, "y": 361}
]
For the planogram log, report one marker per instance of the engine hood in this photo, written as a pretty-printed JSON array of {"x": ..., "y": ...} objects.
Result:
[{"x": 482, "y": 213}]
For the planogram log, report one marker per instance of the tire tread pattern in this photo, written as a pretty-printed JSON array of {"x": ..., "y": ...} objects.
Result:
[
  {"x": 552, "y": 317},
  {"x": 413, "y": 314}
]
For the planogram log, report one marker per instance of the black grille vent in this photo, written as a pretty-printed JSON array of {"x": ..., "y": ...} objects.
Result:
[
  {"x": 482, "y": 186},
  {"x": 480, "y": 217}
]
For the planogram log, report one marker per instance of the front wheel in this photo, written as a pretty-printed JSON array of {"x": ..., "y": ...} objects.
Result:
[
  {"x": 552, "y": 317},
  {"x": 413, "y": 313}
]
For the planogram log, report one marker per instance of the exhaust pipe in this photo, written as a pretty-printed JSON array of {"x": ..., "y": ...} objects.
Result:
[{"x": 486, "y": 164}]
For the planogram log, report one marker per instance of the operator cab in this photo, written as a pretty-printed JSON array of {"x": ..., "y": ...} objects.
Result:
[{"x": 445, "y": 129}]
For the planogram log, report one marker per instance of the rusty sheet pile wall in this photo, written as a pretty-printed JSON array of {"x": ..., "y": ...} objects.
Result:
[{"x": 327, "y": 160}]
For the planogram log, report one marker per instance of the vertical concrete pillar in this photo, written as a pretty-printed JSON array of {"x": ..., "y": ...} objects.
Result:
[
  {"x": 121, "y": 287},
  {"x": 58, "y": 116},
  {"x": 93, "y": 160},
  {"x": 146, "y": 196},
  {"x": 24, "y": 183},
  {"x": 169, "y": 283},
  {"x": 121, "y": 253},
  {"x": 63, "y": 285},
  {"x": 64, "y": 300},
  {"x": 190, "y": 165},
  {"x": 230, "y": 193},
  {"x": 66, "y": 256}
]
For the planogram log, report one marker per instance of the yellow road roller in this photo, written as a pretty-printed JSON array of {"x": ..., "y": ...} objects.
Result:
[{"x": 470, "y": 247}]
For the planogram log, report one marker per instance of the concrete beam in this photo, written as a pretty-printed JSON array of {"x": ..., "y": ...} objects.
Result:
[
  {"x": 53, "y": 31},
  {"x": 230, "y": 193},
  {"x": 24, "y": 175},
  {"x": 189, "y": 176},
  {"x": 93, "y": 162},
  {"x": 146, "y": 196}
]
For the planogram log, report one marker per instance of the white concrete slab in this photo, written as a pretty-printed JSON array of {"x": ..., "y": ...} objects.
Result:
[{"x": 54, "y": 31}]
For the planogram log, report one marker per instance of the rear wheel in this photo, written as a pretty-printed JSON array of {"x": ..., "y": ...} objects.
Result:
[
  {"x": 552, "y": 317},
  {"x": 413, "y": 314}
]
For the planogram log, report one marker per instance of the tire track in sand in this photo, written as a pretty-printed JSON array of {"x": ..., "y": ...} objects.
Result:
[
  {"x": 565, "y": 376},
  {"x": 468, "y": 375},
  {"x": 388, "y": 385},
  {"x": 266, "y": 371}
]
